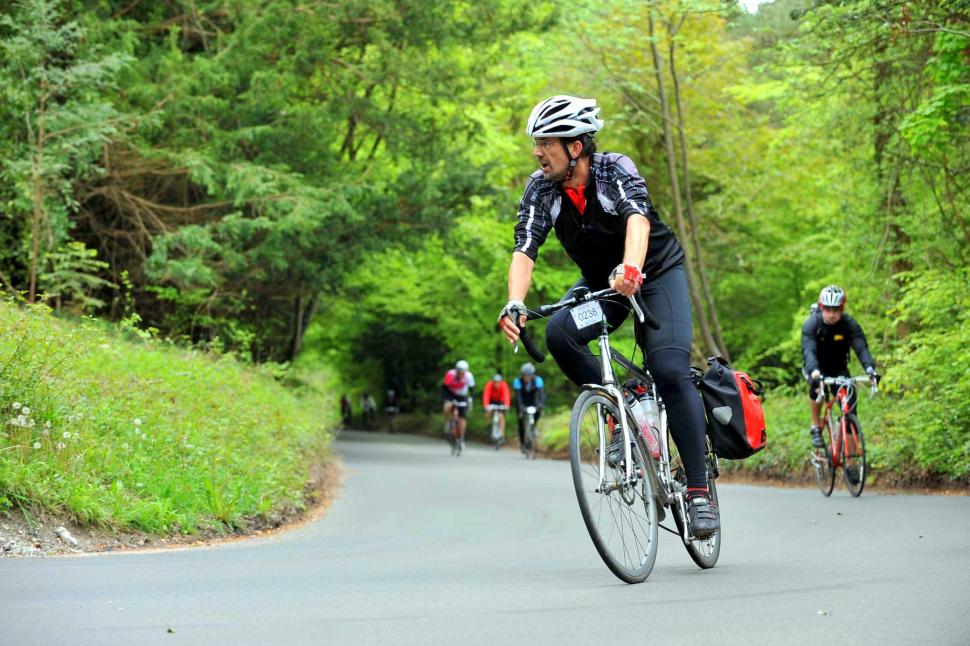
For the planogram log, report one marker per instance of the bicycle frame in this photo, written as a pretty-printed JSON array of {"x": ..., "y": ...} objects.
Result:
[
  {"x": 843, "y": 395},
  {"x": 659, "y": 474},
  {"x": 497, "y": 412}
]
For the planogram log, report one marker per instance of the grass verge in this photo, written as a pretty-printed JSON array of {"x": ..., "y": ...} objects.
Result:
[
  {"x": 143, "y": 435},
  {"x": 899, "y": 454}
]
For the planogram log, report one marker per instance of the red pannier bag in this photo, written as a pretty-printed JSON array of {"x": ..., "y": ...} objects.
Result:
[{"x": 735, "y": 419}]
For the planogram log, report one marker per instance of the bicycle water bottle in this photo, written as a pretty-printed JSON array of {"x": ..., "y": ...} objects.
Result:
[
  {"x": 651, "y": 414},
  {"x": 640, "y": 415}
]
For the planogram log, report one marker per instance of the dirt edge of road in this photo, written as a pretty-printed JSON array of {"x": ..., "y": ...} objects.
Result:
[{"x": 43, "y": 534}]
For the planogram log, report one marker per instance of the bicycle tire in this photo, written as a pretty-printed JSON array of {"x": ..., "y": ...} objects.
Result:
[
  {"x": 854, "y": 455},
  {"x": 822, "y": 462},
  {"x": 450, "y": 436},
  {"x": 704, "y": 552},
  {"x": 533, "y": 436},
  {"x": 632, "y": 510}
]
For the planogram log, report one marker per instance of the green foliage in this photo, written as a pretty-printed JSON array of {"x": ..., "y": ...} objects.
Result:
[
  {"x": 335, "y": 184},
  {"x": 73, "y": 276},
  {"x": 140, "y": 434},
  {"x": 53, "y": 125}
]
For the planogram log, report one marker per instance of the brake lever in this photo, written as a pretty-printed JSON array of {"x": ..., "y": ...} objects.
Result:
[{"x": 636, "y": 308}]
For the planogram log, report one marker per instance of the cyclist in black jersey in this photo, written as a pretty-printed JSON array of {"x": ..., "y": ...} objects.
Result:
[
  {"x": 827, "y": 335},
  {"x": 529, "y": 391},
  {"x": 599, "y": 207}
]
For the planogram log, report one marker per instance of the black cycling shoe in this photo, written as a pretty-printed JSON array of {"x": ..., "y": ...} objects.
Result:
[
  {"x": 817, "y": 440},
  {"x": 705, "y": 519},
  {"x": 852, "y": 473}
]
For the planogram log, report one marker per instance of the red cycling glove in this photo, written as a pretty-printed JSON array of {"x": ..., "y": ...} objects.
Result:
[{"x": 630, "y": 274}]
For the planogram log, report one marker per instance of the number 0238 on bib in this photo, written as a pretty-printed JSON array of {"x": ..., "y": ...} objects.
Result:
[{"x": 587, "y": 314}]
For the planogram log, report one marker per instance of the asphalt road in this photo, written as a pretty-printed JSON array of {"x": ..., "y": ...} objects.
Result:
[{"x": 422, "y": 548}]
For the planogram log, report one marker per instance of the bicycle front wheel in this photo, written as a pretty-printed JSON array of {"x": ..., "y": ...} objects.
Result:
[
  {"x": 621, "y": 518},
  {"x": 822, "y": 462},
  {"x": 854, "y": 457}
]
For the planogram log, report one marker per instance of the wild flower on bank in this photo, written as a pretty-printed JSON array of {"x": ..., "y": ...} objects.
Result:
[
  {"x": 137, "y": 421},
  {"x": 60, "y": 446},
  {"x": 22, "y": 421},
  {"x": 36, "y": 445},
  {"x": 67, "y": 435},
  {"x": 16, "y": 405}
]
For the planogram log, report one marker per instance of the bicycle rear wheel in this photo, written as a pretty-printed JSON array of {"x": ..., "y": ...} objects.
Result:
[
  {"x": 621, "y": 518},
  {"x": 704, "y": 552},
  {"x": 822, "y": 462},
  {"x": 854, "y": 457}
]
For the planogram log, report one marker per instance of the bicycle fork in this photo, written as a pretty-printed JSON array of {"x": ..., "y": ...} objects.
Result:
[{"x": 609, "y": 385}]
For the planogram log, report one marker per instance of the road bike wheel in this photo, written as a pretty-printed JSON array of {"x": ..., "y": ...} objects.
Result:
[
  {"x": 450, "y": 436},
  {"x": 822, "y": 462},
  {"x": 623, "y": 521},
  {"x": 704, "y": 552},
  {"x": 854, "y": 457},
  {"x": 533, "y": 442}
]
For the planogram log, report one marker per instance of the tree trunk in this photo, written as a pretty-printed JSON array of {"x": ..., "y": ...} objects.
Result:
[
  {"x": 297, "y": 326},
  {"x": 709, "y": 342},
  {"x": 37, "y": 218},
  {"x": 689, "y": 199},
  {"x": 884, "y": 127}
]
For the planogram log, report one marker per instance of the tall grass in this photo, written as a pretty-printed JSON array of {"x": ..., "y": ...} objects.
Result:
[{"x": 141, "y": 434}]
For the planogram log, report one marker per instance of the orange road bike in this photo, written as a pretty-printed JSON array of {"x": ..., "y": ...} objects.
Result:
[{"x": 845, "y": 446}]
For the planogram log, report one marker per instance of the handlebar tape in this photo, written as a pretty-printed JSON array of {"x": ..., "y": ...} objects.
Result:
[{"x": 530, "y": 346}]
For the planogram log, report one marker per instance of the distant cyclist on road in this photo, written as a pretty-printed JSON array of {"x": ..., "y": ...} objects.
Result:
[
  {"x": 529, "y": 391},
  {"x": 827, "y": 335},
  {"x": 368, "y": 407},
  {"x": 459, "y": 385},
  {"x": 345, "y": 411},
  {"x": 496, "y": 392}
]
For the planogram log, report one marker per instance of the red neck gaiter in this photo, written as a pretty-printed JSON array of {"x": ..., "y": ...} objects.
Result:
[{"x": 578, "y": 197}]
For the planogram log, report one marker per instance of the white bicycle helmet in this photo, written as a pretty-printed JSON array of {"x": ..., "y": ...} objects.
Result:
[
  {"x": 528, "y": 369},
  {"x": 831, "y": 296},
  {"x": 564, "y": 116},
  {"x": 461, "y": 365}
]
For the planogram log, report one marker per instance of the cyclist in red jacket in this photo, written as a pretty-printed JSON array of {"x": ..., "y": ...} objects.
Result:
[{"x": 497, "y": 392}]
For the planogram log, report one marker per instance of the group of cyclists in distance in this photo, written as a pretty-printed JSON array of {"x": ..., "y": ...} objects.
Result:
[{"x": 458, "y": 392}]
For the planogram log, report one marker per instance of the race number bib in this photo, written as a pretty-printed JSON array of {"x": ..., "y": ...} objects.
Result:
[{"x": 587, "y": 314}]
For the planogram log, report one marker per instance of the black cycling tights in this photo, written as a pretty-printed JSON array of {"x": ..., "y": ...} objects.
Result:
[{"x": 669, "y": 364}]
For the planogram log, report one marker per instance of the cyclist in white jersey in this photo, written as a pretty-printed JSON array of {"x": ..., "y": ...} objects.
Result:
[{"x": 458, "y": 386}]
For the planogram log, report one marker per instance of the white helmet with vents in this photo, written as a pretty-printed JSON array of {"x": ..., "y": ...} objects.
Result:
[
  {"x": 831, "y": 296},
  {"x": 564, "y": 116}
]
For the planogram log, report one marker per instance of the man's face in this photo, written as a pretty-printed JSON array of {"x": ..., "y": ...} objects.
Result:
[
  {"x": 527, "y": 378},
  {"x": 552, "y": 158},
  {"x": 831, "y": 315}
]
